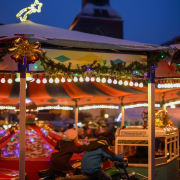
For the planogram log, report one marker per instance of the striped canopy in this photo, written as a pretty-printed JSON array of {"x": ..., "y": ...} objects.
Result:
[{"x": 87, "y": 92}]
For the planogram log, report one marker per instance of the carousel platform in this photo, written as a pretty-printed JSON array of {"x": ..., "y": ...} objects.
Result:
[{"x": 38, "y": 152}]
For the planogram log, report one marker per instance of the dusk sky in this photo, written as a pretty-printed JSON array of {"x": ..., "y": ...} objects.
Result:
[{"x": 148, "y": 21}]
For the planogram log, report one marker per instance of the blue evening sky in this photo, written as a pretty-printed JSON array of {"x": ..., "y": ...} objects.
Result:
[{"x": 148, "y": 21}]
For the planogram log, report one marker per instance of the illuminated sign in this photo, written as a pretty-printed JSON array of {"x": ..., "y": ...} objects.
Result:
[{"x": 29, "y": 10}]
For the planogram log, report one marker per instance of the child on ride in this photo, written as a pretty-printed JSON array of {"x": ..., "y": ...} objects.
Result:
[
  {"x": 93, "y": 157},
  {"x": 64, "y": 150}
]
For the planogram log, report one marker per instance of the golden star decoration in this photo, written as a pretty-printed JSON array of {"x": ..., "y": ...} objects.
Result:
[
  {"x": 29, "y": 10},
  {"x": 23, "y": 48}
]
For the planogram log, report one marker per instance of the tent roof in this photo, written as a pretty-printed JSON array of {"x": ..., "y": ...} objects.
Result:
[{"x": 63, "y": 37}]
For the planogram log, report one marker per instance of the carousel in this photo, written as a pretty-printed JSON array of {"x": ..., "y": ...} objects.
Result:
[{"x": 62, "y": 69}]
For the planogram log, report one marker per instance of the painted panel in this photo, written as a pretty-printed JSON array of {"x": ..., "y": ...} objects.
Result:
[{"x": 86, "y": 57}]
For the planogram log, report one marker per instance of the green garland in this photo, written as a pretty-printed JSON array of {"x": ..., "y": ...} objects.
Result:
[
  {"x": 4, "y": 52},
  {"x": 96, "y": 69}
]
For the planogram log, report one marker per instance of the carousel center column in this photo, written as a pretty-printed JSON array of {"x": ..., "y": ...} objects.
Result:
[
  {"x": 151, "y": 125},
  {"x": 22, "y": 120}
]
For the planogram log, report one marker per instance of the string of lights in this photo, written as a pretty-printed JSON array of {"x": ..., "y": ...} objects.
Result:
[
  {"x": 139, "y": 105},
  {"x": 172, "y": 103},
  {"x": 99, "y": 107},
  {"x": 7, "y": 107},
  {"x": 51, "y": 79},
  {"x": 54, "y": 107},
  {"x": 168, "y": 84}
]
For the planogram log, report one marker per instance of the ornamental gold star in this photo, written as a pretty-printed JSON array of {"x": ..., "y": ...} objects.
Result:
[{"x": 29, "y": 10}]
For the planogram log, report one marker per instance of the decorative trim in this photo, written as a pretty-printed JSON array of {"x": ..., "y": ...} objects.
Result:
[{"x": 132, "y": 142}]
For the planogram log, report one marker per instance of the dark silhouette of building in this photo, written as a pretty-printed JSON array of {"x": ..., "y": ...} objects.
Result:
[
  {"x": 173, "y": 41},
  {"x": 98, "y": 17}
]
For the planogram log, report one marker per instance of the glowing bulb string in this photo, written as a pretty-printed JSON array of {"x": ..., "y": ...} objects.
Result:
[{"x": 40, "y": 78}]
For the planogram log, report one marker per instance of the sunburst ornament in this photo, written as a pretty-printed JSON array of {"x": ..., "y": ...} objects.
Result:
[
  {"x": 29, "y": 10},
  {"x": 23, "y": 48}
]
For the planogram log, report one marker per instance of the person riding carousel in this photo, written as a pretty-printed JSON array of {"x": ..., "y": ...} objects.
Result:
[
  {"x": 93, "y": 157},
  {"x": 63, "y": 152}
]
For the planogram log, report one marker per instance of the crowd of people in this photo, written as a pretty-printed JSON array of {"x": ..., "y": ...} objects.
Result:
[{"x": 86, "y": 133}]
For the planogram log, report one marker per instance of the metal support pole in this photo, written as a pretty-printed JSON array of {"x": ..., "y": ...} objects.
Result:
[
  {"x": 163, "y": 103},
  {"x": 122, "y": 111},
  {"x": 151, "y": 126},
  {"x": 164, "y": 107},
  {"x": 76, "y": 115},
  {"x": 122, "y": 117},
  {"x": 22, "y": 121}
]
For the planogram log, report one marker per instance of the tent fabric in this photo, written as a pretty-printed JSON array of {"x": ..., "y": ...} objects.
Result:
[
  {"x": 63, "y": 37},
  {"x": 64, "y": 93}
]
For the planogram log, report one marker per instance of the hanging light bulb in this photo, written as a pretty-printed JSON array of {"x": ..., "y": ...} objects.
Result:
[
  {"x": 141, "y": 84},
  {"x": 75, "y": 79},
  {"x": 136, "y": 84},
  {"x": 87, "y": 79},
  {"x": 92, "y": 79},
  {"x": 131, "y": 82},
  {"x": 159, "y": 86},
  {"x": 56, "y": 80},
  {"x": 98, "y": 79},
  {"x": 51, "y": 80},
  {"x": 81, "y": 79},
  {"x": 103, "y": 80},
  {"x": 69, "y": 79},
  {"x": 10, "y": 80},
  {"x": 38, "y": 81},
  {"x": 3, "y": 80},
  {"x": 63, "y": 79},
  {"x": 114, "y": 81},
  {"x": 125, "y": 82},
  {"x": 109, "y": 80},
  {"x": 44, "y": 80},
  {"x": 120, "y": 82}
]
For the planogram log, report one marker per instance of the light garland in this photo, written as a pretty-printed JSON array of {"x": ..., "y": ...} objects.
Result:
[
  {"x": 139, "y": 105},
  {"x": 7, "y": 107},
  {"x": 76, "y": 79},
  {"x": 172, "y": 103},
  {"x": 99, "y": 107},
  {"x": 168, "y": 85},
  {"x": 54, "y": 107},
  {"x": 29, "y": 10}
]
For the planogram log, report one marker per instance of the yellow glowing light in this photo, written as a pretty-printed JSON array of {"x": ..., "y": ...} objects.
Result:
[{"x": 29, "y": 10}]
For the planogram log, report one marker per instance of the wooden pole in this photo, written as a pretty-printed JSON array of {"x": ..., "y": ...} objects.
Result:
[
  {"x": 22, "y": 121},
  {"x": 122, "y": 111},
  {"x": 122, "y": 117},
  {"x": 76, "y": 115},
  {"x": 151, "y": 126}
]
